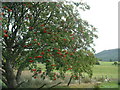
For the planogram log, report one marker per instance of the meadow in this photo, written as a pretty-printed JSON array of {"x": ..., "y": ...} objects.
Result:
[
  {"x": 100, "y": 73},
  {"x": 106, "y": 69}
]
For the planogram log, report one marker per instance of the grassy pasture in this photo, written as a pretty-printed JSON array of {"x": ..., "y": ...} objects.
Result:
[
  {"x": 103, "y": 70},
  {"x": 106, "y": 69}
]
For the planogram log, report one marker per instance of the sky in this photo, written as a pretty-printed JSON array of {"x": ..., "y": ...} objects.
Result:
[{"x": 103, "y": 14}]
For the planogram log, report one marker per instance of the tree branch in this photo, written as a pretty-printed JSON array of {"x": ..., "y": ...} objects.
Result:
[
  {"x": 49, "y": 17},
  {"x": 70, "y": 80},
  {"x": 41, "y": 86},
  {"x": 56, "y": 85},
  {"x": 20, "y": 84}
]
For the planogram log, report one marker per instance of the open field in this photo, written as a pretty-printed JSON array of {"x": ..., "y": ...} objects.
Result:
[{"x": 105, "y": 70}]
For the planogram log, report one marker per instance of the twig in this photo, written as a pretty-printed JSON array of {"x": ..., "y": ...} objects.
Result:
[
  {"x": 41, "y": 86},
  {"x": 56, "y": 85},
  {"x": 70, "y": 81},
  {"x": 20, "y": 84}
]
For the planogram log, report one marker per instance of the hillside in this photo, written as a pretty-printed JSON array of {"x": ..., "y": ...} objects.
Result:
[{"x": 108, "y": 55}]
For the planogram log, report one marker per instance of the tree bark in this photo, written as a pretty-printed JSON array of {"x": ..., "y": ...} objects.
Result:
[
  {"x": 79, "y": 79},
  {"x": 10, "y": 76},
  {"x": 19, "y": 72}
]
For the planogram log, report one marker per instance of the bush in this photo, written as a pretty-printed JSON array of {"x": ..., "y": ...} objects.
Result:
[
  {"x": 97, "y": 63},
  {"x": 115, "y": 63}
]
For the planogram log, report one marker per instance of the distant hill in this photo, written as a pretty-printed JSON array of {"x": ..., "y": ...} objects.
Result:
[{"x": 108, "y": 55}]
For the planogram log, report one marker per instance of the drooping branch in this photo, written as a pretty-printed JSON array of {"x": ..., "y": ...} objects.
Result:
[
  {"x": 41, "y": 86},
  {"x": 70, "y": 80},
  {"x": 19, "y": 84},
  {"x": 56, "y": 85}
]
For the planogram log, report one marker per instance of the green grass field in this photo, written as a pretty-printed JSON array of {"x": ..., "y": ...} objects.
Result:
[
  {"x": 103, "y": 70},
  {"x": 106, "y": 69}
]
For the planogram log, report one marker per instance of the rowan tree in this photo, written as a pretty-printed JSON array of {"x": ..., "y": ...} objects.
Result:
[{"x": 51, "y": 33}]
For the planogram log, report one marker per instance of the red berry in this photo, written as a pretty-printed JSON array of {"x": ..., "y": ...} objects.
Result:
[
  {"x": 35, "y": 77},
  {"x": 47, "y": 61},
  {"x": 58, "y": 5},
  {"x": 0, "y": 18},
  {"x": 5, "y": 7},
  {"x": 5, "y": 31},
  {"x": 74, "y": 49},
  {"x": 55, "y": 48},
  {"x": 31, "y": 28},
  {"x": 71, "y": 34},
  {"x": 48, "y": 50},
  {"x": 45, "y": 31},
  {"x": 5, "y": 35},
  {"x": 71, "y": 54},
  {"x": 24, "y": 4},
  {"x": 64, "y": 50},
  {"x": 49, "y": 32},
  {"x": 61, "y": 54},
  {"x": 53, "y": 65},
  {"x": 38, "y": 56},
  {"x": 2, "y": 14},
  {"x": 33, "y": 69},
  {"x": 30, "y": 17},
  {"x": 72, "y": 38},
  {"x": 35, "y": 39},
  {"x": 35, "y": 32},
  {"x": 26, "y": 18},
  {"x": 66, "y": 53},
  {"x": 42, "y": 25},
  {"x": 45, "y": 28},
  {"x": 58, "y": 49},
  {"x": 30, "y": 57},
  {"x": 31, "y": 61},
  {"x": 40, "y": 71},
  {"x": 9, "y": 10},
  {"x": 38, "y": 43},
  {"x": 64, "y": 39},
  {"x": 30, "y": 44},
  {"x": 25, "y": 46},
  {"x": 58, "y": 53},
  {"x": 54, "y": 79},
  {"x": 69, "y": 68},
  {"x": 42, "y": 53}
]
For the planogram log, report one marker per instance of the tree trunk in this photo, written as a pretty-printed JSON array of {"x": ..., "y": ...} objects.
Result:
[
  {"x": 79, "y": 80},
  {"x": 19, "y": 72},
  {"x": 10, "y": 76}
]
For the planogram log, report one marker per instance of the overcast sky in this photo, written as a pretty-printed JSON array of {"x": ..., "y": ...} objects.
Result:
[{"x": 104, "y": 16}]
